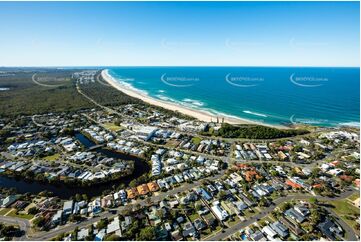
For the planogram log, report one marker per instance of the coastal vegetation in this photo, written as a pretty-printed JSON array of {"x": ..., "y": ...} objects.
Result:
[
  {"x": 254, "y": 132},
  {"x": 106, "y": 95},
  {"x": 8, "y": 231},
  {"x": 25, "y": 97}
]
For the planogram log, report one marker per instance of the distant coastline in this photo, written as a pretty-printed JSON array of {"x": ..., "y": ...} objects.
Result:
[{"x": 199, "y": 114}]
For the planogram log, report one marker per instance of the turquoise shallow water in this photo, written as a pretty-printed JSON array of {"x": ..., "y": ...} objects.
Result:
[{"x": 317, "y": 96}]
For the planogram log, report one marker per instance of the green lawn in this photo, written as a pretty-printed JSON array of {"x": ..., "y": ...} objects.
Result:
[
  {"x": 196, "y": 140},
  {"x": 193, "y": 216},
  {"x": 354, "y": 196},
  {"x": 208, "y": 232},
  {"x": 248, "y": 213},
  {"x": 231, "y": 223},
  {"x": 4, "y": 211},
  {"x": 346, "y": 211},
  {"x": 112, "y": 127},
  {"x": 52, "y": 157},
  {"x": 25, "y": 216},
  {"x": 265, "y": 219},
  {"x": 344, "y": 207}
]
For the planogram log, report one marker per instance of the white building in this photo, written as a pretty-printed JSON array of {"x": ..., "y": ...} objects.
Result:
[
  {"x": 220, "y": 213},
  {"x": 145, "y": 132}
]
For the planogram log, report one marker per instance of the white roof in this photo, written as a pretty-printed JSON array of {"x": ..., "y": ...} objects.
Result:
[
  {"x": 113, "y": 226},
  {"x": 270, "y": 232}
]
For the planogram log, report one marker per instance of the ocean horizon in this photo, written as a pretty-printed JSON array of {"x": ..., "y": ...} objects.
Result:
[{"x": 320, "y": 96}]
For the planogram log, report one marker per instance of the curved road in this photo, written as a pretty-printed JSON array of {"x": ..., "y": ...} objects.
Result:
[
  {"x": 24, "y": 224},
  {"x": 44, "y": 85}
]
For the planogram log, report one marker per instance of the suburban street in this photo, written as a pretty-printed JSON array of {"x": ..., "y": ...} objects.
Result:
[
  {"x": 155, "y": 198},
  {"x": 24, "y": 224},
  {"x": 350, "y": 235}
]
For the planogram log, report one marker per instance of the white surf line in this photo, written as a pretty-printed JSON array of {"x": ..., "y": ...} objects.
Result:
[{"x": 44, "y": 85}]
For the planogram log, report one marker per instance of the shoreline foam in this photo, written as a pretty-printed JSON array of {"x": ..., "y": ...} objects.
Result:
[{"x": 198, "y": 114}]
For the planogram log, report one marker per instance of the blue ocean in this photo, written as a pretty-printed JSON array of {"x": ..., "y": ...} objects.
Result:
[{"x": 271, "y": 95}]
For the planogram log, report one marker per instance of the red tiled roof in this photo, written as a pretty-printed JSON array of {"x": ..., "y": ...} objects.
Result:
[
  {"x": 142, "y": 189},
  {"x": 153, "y": 186},
  {"x": 346, "y": 178},
  {"x": 292, "y": 184},
  {"x": 334, "y": 163},
  {"x": 250, "y": 175},
  {"x": 132, "y": 193},
  {"x": 317, "y": 186}
]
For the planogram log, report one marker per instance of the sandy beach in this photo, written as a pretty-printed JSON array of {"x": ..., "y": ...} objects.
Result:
[{"x": 198, "y": 114}]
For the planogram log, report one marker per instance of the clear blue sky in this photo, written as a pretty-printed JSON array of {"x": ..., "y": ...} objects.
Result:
[{"x": 179, "y": 33}]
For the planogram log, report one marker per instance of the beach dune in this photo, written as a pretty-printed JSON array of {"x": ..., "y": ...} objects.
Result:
[{"x": 198, "y": 114}]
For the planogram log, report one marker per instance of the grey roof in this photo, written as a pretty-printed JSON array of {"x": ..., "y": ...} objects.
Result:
[
  {"x": 330, "y": 229},
  {"x": 292, "y": 213},
  {"x": 57, "y": 216},
  {"x": 257, "y": 236},
  {"x": 188, "y": 230},
  {"x": 199, "y": 224},
  {"x": 280, "y": 229},
  {"x": 68, "y": 205},
  {"x": 240, "y": 205},
  {"x": 302, "y": 210}
]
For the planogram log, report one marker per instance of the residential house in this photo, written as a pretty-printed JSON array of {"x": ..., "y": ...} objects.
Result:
[
  {"x": 220, "y": 213},
  {"x": 176, "y": 235},
  {"x": 189, "y": 230},
  {"x": 68, "y": 207},
  {"x": 257, "y": 236},
  {"x": 132, "y": 193},
  {"x": 142, "y": 189},
  {"x": 280, "y": 229},
  {"x": 153, "y": 186},
  {"x": 114, "y": 227},
  {"x": 269, "y": 232},
  {"x": 293, "y": 214},
  {"x": 57, "y": 218},
  {"x": 199, "y": 224},
  {"x": 8, "y": 201},
  {"x": 295, "y": 228},
  {"x": 331, "y": 230},
  {"x": 82, "y": 234}
]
